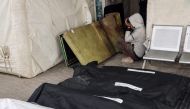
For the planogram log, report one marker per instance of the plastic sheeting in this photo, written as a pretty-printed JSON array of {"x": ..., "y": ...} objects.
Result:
[
  {"x": 28, "y": 30},
  {"x": 167, "y": 12},
  {"x": 16, "y": 104}
]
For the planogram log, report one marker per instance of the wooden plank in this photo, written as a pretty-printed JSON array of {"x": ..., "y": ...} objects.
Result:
[{"x": 88, "y": 44}]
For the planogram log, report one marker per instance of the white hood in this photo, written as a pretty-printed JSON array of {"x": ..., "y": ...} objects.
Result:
[
  {"x": 138, "y": 36},
  {"x": 136, "y": 20}
]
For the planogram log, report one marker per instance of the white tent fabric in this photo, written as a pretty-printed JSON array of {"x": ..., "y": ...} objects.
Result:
[
  {"x": 16, "y": 104},
  {"x": 167, "y": 12},
  {"x": 28, "y": 31}
]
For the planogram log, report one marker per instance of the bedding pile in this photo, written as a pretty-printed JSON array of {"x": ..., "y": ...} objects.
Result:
[{"x": 109, "y": 87}]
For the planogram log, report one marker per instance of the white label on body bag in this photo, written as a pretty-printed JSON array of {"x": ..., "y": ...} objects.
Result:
[
  {"x": 118, "y": 100},
  {"x": 119, "y": 84},
  {"x": 142, "y": 71}
]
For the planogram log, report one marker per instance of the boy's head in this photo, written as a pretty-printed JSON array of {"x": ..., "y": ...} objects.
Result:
[
  {"x": 134, "y": 21},
  {"x": 128, "y": 24}
]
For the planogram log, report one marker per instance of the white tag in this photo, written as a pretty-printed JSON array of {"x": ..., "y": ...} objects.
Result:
[
  {"x": 72, "y": 31},
  {"x": 142, "y": 71},
  {"x": 119, "y": 100},
  {"x": 128, "y": 86}
]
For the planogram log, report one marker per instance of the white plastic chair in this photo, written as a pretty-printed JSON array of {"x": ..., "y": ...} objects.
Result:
[
  {"x": 164, "y": 43},
  {"x": 185, "y": 57}
]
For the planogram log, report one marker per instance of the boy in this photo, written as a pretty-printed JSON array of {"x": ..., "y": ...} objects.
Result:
[{"x": 133, "y": 47}]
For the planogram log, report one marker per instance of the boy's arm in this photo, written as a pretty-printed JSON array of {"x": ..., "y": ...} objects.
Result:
[{"x": 128, "y": 37}]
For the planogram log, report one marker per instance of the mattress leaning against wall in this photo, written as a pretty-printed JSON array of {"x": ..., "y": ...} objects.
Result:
[{"x": 28, "y": 31}]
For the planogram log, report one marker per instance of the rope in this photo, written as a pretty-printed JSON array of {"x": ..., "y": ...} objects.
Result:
[{"x": 5, "y": 54}]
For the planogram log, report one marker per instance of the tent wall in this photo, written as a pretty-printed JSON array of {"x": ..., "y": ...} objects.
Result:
[
  {"x": 167, "y": 12},
  {"x": 91, "y": 5},
  {"x": 29, "y": 30}
]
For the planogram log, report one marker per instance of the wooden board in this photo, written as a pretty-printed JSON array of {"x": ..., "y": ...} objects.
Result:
[
  {"x": 113, "y": 27},
  {"x": 89, "y": 43}
]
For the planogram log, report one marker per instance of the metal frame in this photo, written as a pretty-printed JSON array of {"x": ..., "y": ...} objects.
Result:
[
  {"x": 186, "y": 50},
  {"x": 187, "y": 38}
]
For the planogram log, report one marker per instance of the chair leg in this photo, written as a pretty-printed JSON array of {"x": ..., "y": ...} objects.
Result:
[{"x": 144, "y": 64}]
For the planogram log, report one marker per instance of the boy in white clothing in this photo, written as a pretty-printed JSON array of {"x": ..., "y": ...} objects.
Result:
[{"x": 133, "y": 47}]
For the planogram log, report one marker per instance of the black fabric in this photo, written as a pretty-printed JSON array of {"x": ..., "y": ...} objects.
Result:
[
  {"x": 91, "y": 83},
  {"x": 166, "y": 88},
  {"x": 184, "y": 103},
  {"x": 63, "y": 98},
  {"x": 59, "y": 97}
]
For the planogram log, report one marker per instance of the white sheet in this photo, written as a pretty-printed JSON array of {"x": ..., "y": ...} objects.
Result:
[
  {"x": 29, "y": 29},
  {"x": 16, "y": 104}
]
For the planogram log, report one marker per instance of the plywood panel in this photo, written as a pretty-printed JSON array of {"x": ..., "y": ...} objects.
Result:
[{"x": 88, "y": 44}]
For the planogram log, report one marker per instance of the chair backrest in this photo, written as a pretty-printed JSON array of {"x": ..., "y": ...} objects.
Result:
[
  {"x": 166, "y": 38},
  {"x": 187, "y": 40}
]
